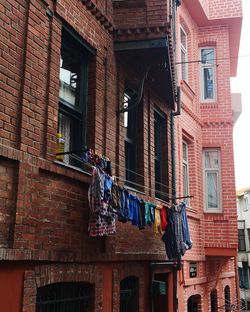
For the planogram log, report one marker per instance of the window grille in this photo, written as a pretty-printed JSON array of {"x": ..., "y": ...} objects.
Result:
[
  {"x": 65, "y": 297},
  {"x": 214, "y": 300},
  {"x": 129, "y": 294}
]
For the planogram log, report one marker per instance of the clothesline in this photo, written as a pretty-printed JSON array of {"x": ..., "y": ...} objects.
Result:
[
  {"x": 72, "y": 154},
  {"x": 136, "y": 184}
]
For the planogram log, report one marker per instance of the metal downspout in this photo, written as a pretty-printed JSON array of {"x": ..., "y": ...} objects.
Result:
[{"x": 173, "y": 149}]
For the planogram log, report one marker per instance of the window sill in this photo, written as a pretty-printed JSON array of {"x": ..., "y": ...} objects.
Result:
[
  {"x": 68, "y": 166},
  {"x": 132, "y": 189},
  {"x": 218, "y": 212}
]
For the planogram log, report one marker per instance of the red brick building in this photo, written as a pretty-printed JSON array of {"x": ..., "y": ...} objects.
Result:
[{"x": 102, "y": 74}]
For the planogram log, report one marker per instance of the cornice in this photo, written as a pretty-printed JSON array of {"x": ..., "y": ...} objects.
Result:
[{"x": 100, "y": 17}]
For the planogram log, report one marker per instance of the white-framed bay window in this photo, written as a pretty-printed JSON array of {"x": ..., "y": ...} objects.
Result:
[
  {"x": 184, "y": 54},
  {"x": 208, "y": 74},
  {"x": 212, "y": 180}
]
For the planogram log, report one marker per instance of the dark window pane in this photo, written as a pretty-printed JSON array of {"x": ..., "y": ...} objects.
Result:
[
  {"x": 161, "y": 165},
  {"x": 129, "y": 295},
  {"x": 213, "y": 299},
  {"x": 241, "y": 240}
]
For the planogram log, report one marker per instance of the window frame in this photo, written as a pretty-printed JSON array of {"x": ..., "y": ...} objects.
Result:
[
  {"x": 208, "y": 66},
  {"x": 133, "y": 177},
  {"x": 184, "y": 50},
  {"x": 160, "y": 118},
  {"x": 219, "y": 209},
  {"x": 185, "y": 164},
  {"x": 241, "y": 239},
  {"x": 76, "y": 114}
]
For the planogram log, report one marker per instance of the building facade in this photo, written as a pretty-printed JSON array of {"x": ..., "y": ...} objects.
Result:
[
  {"x": 243, "y": 205},
  {"x": 208, "y": 34},
  {"x": 102, "y": 75}
]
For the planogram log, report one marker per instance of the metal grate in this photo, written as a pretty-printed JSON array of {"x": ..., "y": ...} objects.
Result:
[
  {"x": 65, "y": 297},
  {"x": 129, "y": 295}
]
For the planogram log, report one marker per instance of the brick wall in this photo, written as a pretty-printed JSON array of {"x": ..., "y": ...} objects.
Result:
[
  {"x": 208, "y": 125},
  {"x": 141, "y": 13},
  {"x": 48, "y": 201}
]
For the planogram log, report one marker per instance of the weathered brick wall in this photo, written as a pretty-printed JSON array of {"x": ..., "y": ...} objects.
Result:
[
  {"x": 140, "y": 13},
  {"x": 48, "y": 202},
  {"x": 8, "y": 193}
]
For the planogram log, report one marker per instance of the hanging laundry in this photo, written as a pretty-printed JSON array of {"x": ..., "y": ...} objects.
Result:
[
  {"x": 133, "y": 214},
  {"x": 185, "y": 228},
  {"x": 149, "y": 213},
  {"x": 157, "y": 222},
  {"x": 102, "y": 218},
  {"x": 173, "y": 237},
  {"x": 164, "y": 221},
  {"x": 142, "y": 220},
  {"x": 99, "y": 160},
  {"x": 124, "y": 209}
]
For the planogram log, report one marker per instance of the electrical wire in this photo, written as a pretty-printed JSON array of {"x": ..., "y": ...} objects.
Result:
[
  {"x": 134, "y": 183},
  {"x": 216, "y": 59}
]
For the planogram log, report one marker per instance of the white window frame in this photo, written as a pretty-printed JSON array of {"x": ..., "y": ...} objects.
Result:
[
  {"x": 185, "y": 173},
  {"x": 184, "y": 64},
  {"x": 213, "y": 68},
  {"x": 217, "y": 171}
]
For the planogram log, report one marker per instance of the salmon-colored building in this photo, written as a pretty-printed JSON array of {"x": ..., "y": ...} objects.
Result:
[
  {"x": 146, "y": 85},
  {"x": 208, "y": 34}
]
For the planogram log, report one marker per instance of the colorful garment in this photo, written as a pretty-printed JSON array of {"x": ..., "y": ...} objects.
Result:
[
  {"x": 164, "y": 221},
  {"x": 149, "y": 213},
  {"x": 157, "y": 222},
  {"x": 102, "y": 218}
]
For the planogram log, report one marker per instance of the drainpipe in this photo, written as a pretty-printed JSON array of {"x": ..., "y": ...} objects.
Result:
[
  {"x": 176, "y": 3},
  {"x": 173, "y": 114}
]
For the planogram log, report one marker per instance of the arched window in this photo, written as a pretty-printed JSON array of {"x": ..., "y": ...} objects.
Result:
[
  {"x": 227, "y": 299},
  {"x": 77, "y": 297},
  {"x": 129, "y": 294},
  {"x": 213, "y": 299}
]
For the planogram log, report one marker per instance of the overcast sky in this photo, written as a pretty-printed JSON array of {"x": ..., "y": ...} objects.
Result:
[{"x": 241, "y": 84}]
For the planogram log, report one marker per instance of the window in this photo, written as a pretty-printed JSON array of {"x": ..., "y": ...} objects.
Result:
[
  {"x": 213, "y": 299},
  {"x": 184, "y": 56},
  {"x": 77, "y": 297},
  {"x": 227, "y": 299},
  {"x": 72, "y": 94},
  {"x": 241, "y": 240},
  {"x": 161, "y": 165},
  {"x": 208, "y": 77},
  {"x": 129, "y": 294},
  {"x": 133, "y": 128},
  {"x": 244, "y": 275},
  {"x": 212, "y": 180},
  {"x": 185, "y": 170}
]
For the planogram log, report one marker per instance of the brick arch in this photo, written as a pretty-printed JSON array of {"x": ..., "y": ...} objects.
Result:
[
  {"x": 57, "y": 273},
  {"x": 119, "y": 273}
]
